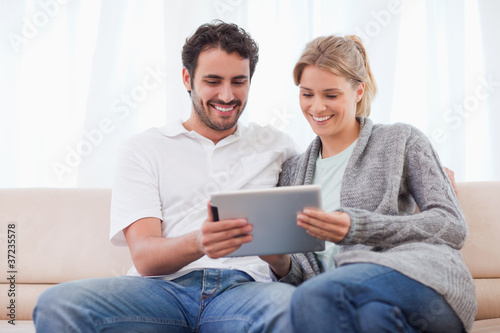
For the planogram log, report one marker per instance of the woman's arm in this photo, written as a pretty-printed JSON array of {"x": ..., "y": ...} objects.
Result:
[
  {"x": 440, "y": 220},
  {"x": 303, "y": 266}
]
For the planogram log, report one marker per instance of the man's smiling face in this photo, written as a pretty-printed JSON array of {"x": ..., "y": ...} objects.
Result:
[{"x": 219, "y": 89}]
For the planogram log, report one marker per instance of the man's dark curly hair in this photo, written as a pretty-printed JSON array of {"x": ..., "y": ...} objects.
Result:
[{"x": 218, "y": 34}]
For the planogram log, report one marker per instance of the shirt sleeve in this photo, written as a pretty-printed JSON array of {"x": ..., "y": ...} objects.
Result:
[{"x": 135, "y": 192}]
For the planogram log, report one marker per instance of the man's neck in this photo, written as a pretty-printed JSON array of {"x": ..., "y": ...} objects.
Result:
[{"x": 214, "y": 135}]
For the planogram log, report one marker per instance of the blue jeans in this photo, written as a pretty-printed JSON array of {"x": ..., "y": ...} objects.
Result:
[
  {"x": 202, "y": 301},
  {"x": 369, "y": 298}
]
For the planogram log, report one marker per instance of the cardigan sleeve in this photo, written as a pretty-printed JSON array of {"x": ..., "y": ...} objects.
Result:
[
  {"x": 304, "y": 266},
  {"x": 440, "y": 220}
]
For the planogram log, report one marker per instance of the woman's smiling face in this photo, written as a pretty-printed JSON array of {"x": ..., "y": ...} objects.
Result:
[{"x": 328, "y": 101}]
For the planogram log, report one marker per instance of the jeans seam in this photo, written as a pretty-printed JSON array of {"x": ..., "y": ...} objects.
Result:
[
  {"x": 204, "y": 298},
  {"x": 226, "y": 318},
  {"x": 138, "y": 319},
  {"x": 344, "y": 320}
]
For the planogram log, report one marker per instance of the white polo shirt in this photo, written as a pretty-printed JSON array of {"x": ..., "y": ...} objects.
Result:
[{"x": 169, "y": 173}]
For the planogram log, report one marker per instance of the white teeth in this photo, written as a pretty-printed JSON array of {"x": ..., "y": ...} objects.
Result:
[
  {"x": 322, "y": 118},
  {"x": 223, "y": 109}
]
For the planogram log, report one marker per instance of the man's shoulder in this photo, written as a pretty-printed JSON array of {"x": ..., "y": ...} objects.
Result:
[
  {"x": 143, "y": 142},
  {"x": 156, "y": 134},
  {"x": 151, "y": 134}
]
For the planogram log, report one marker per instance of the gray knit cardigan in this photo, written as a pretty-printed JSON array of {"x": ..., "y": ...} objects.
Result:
[{"x": 392, "y": 169}]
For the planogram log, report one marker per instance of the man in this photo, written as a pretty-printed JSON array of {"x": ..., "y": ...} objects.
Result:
[{"x": 181, "y": 281}]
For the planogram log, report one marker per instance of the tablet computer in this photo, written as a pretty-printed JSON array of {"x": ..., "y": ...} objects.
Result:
[{"x": 273, "y": 214}]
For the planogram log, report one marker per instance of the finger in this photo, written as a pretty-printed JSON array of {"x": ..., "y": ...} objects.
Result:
[
  {"x": 209, "y": 236},
  {"x": 332, "y": 233},
  {"x": 326, "y": 220},
  {"x": 322, "y": 237},
  {"x": 313, "y": 212},
  {"x": 321, "y": 222},
  {"x": 229, "y": 245},
  {"x": 329, "y": 235},
  {"x": 318, "y": 217},
  {"x": 223, "y": 225},
  {"x": 210, "y": 215},
  {"x": 222, "y": 253},
  {"x": 330, "y": 230},
  {"x": 220, "y": 249}
]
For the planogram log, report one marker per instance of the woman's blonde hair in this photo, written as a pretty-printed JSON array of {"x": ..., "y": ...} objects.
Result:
[{"x": 342, "y": 56}]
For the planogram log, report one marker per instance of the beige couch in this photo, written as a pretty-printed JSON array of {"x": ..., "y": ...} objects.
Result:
[{"x": 62, "y": 235}]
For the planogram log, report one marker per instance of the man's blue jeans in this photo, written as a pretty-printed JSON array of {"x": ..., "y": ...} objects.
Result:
[
  {"x": 202, "y": 301},
  {"x": 369, "y": 298}
]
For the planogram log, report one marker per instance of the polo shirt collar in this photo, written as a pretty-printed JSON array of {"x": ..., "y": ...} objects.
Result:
[{"x": 175, "y": 128}]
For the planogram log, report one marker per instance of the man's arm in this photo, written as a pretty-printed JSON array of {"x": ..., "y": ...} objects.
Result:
[{"x": 154, "y": 254}]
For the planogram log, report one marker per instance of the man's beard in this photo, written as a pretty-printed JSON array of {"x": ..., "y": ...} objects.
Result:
[{"x": 203, "y": 113}]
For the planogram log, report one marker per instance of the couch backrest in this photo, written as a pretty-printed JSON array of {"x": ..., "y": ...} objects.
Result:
[
  {"x": 60, "y": 234},
  {"x": 480, "y": 202}
]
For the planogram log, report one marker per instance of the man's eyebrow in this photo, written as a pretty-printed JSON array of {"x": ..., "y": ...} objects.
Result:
[
  {"x": 218, "y": 77},
  {"x": 213, "y": 76},
  {"x": 240, "y": 77}
]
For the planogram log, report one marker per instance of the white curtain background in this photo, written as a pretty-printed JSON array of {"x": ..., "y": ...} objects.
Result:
[{"x": 78, "y": 77}]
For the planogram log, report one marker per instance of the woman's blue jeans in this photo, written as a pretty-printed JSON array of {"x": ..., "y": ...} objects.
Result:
[
  {"x": 369, "y": 298},
  {"x": 202, "y": 301}
]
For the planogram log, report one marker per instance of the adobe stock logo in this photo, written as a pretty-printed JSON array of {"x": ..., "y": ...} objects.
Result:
[
  {"x": 222, "y": 7},
  {"x": 120, "y": 109},
  {"x": 381, "y": 19},
  {"x": 457, "y": 115},
  {"x": 281, "y": 118},
  {"x": 39, "y": 20}
]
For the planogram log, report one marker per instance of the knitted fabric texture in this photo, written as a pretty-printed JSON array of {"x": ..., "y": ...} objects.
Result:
[{"x": 392, "y": 169}]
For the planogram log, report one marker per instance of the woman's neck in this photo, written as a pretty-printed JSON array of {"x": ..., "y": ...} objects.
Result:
[{"x": 335, "y": 144}]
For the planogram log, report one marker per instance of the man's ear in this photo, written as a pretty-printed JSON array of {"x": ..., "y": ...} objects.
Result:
[{"x": 186, "y": 79}]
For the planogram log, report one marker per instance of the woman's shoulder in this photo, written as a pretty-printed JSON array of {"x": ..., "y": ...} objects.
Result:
[
  {"x": 396, "y": 131},
  {"x": 288, "y": 169},
  {"x": 300, "y": 163},
  {"x": 292, "y": 162}
]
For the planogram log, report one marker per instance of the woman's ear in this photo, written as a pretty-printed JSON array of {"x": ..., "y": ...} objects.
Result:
[
  {"x": 186, "y": 79},
  {"x": 360, "y": 91}
]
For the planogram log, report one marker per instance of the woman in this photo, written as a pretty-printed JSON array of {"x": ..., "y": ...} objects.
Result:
[{"x": 395, "y": 271}]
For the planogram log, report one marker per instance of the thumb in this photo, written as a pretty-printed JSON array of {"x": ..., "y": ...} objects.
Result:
[{"x": 210, "y": 215}]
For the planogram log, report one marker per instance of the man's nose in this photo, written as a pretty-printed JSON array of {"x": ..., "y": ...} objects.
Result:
[{"x": 226, "y": 93}]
